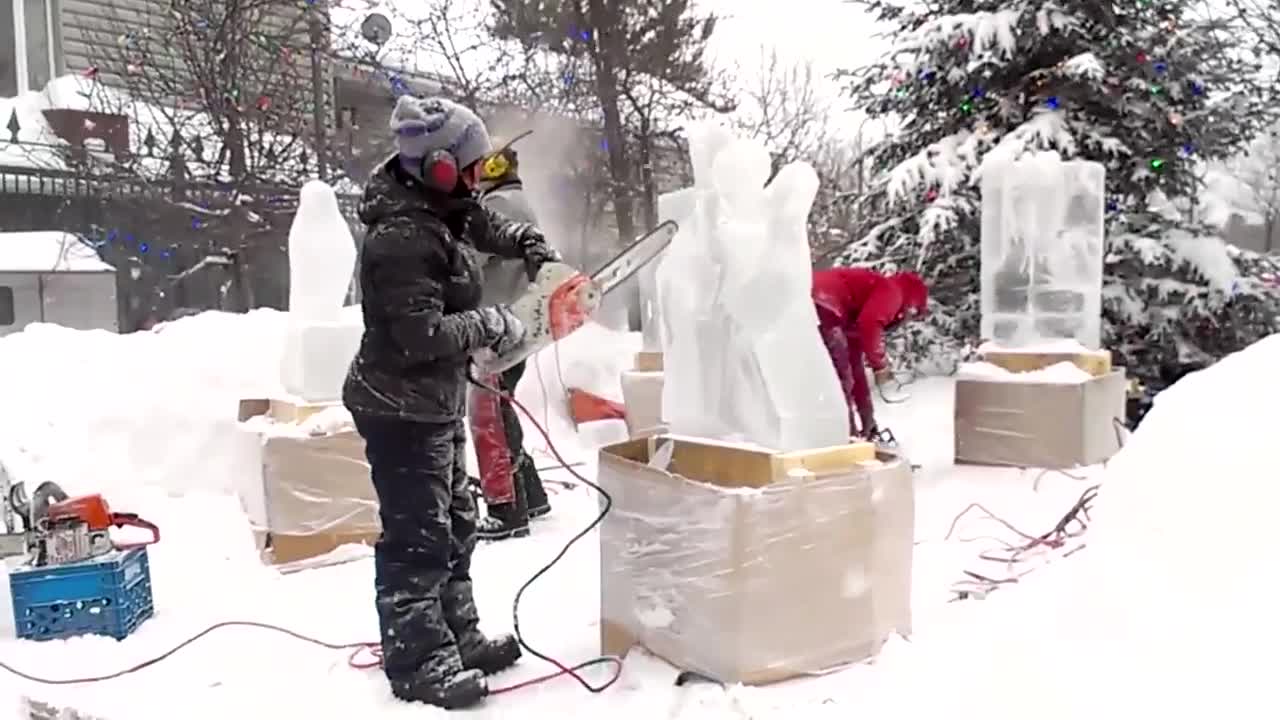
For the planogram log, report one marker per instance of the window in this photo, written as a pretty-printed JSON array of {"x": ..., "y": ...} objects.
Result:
[
  {"x": 30, "y": 45},
  {"x": 7, "y": 317}
]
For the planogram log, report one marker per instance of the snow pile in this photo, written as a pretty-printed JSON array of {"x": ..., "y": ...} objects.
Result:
[
  {"x": 101, "y": 412},
  {"x": 1063, "y": 373},
  {"x": 1169, "y": 612},
  {"x": 94, "y": 410}
]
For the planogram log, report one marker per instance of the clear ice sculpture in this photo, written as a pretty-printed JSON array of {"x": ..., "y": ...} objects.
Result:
[
  {"x": 320, "y": 339},
  {"x": 677, "y": 206},
  {"x": 1042, "y": 251},
  {"x": 742, "y": 354}
]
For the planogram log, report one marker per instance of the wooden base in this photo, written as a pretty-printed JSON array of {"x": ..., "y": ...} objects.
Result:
[
  {"x": 283, "y": 411},
  {"x": 648, "y": 362},
  {"x": 736, "y": 466},
  {"x": 1095, "y": 362}
]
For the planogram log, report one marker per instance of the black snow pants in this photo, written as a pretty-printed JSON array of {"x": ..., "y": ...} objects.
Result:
[{"x": 422, "y": 561}]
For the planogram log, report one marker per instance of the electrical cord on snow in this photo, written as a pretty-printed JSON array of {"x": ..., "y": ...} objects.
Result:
[
  {"x": 373, "y": 648},
  {"x": 515, "y": 604}
]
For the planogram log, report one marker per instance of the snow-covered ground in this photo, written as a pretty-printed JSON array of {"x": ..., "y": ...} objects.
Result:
[{"x": 148, "y": 419}]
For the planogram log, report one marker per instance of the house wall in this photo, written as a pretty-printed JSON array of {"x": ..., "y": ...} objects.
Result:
[
  {"x": 117, "y": 36},
  {"x": 81, "y": 300},
  {"x": 23, "y": 289},
  {"x": 77, "y": 300}
]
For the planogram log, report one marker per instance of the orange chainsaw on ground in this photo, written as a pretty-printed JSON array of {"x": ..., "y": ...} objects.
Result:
[{"x": 62, "y": 529}]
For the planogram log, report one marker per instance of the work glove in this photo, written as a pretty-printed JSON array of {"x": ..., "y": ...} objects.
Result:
[
  {"x": 537, "y": 253},
  {"x": 503, "y": 330}
]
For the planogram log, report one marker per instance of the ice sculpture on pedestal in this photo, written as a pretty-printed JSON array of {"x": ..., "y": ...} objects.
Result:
[
  {"x": 742, "y": 353},
  {"x": 320, "y": 338},
  {"x": 1042, "y": 251},
  {"x": 677, "y": 206}
]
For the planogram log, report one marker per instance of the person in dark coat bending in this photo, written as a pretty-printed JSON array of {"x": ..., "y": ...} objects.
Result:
[
  {"x": 420, "y": 282},
  {"x": 856, "y": 306}
]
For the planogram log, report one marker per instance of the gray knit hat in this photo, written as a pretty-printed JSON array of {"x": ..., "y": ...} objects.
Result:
[{"x": 425, "y": 124}]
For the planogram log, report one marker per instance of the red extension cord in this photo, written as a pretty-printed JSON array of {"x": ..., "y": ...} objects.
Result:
[{"x": 373, "y": 649}]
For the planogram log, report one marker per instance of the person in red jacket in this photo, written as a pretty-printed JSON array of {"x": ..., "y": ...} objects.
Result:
[{"x": 855, "y": 308}]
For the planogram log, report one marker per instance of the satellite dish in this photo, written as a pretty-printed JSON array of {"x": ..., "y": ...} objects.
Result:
[{"x": 376, "y": 29}]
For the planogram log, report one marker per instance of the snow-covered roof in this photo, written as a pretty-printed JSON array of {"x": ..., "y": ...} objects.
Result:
[
  {"x": 39, "y": 147},
  {"x": 48, "y": 251}
]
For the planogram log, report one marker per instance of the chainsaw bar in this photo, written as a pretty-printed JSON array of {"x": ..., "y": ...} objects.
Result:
[{"x": 635, "y": 256}]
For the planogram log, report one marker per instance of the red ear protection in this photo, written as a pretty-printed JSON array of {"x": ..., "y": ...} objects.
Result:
[{"x": 440, "y": 170}]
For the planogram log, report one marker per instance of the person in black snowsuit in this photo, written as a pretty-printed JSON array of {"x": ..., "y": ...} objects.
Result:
[
  {"x": 420, "y": 278},
  {"x": 504, "y": 281}
]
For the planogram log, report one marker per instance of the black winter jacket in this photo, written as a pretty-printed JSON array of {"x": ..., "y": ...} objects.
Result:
[{"x": 420, "y": 281}]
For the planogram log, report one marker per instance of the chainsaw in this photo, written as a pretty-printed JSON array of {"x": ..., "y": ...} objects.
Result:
[
  {"x": 559, "y": 301},
  {"x": 561, "y": 298},
  {"x": 59, "y": 529}
]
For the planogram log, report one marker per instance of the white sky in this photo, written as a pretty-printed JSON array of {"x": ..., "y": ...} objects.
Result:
[{"x": 832, "y": 34}]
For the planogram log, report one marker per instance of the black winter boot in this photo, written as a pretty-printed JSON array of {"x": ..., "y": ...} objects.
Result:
[
  {"x": 489, "y": 655},
  {"x": 535, "y": 494},
  {"x": 459, "y": 690},
  {"x": 506, "y": 520}
]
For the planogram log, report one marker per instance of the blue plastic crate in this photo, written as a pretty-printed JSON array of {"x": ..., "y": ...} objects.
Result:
[{"x": 107, "y": 595}]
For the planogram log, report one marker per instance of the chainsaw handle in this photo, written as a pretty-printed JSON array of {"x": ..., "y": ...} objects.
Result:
[{"x": 121, "y": 520}]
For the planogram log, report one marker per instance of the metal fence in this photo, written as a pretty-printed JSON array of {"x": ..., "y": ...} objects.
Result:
[{"x": 178, "y": 244}]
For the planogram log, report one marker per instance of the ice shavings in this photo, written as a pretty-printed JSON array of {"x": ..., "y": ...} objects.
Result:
[{"x": 1063, "y": 373}]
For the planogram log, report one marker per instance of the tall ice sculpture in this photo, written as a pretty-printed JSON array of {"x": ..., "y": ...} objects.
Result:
[
  {"x": 741, "y": 349},
  {"x": 320, "y": 339},
  {"x": 1042, "y": 251}
]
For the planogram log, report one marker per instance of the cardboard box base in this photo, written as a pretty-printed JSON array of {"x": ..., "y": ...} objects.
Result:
[
  {"x": 1044, "y": 425},
  {"x": 280, "y": 549},
  {"x": 729, "y": 588}
]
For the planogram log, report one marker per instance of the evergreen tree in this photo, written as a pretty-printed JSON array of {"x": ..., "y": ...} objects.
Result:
[{"x": 1144, "y": 88}]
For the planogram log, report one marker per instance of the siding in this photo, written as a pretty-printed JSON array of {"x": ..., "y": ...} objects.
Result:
[{"x": 113, "y": 35}]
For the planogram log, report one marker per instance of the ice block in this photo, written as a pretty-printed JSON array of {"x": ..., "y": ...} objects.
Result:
[
  {"x": 742, "y": 353},
  {"x": 1042, "y": 248},
  {"x": 677, "y": 206},
  {"x": 320, "y": 339}
]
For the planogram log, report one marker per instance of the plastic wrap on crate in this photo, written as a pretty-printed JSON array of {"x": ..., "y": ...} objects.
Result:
[
  {"x": 106, "y": 595},
  {"x": 1058, "y": 417},
  {"x": 727, "y": 567},
  {"x": 314, "y": 481},
  {"x": 489, "y": 441}
]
